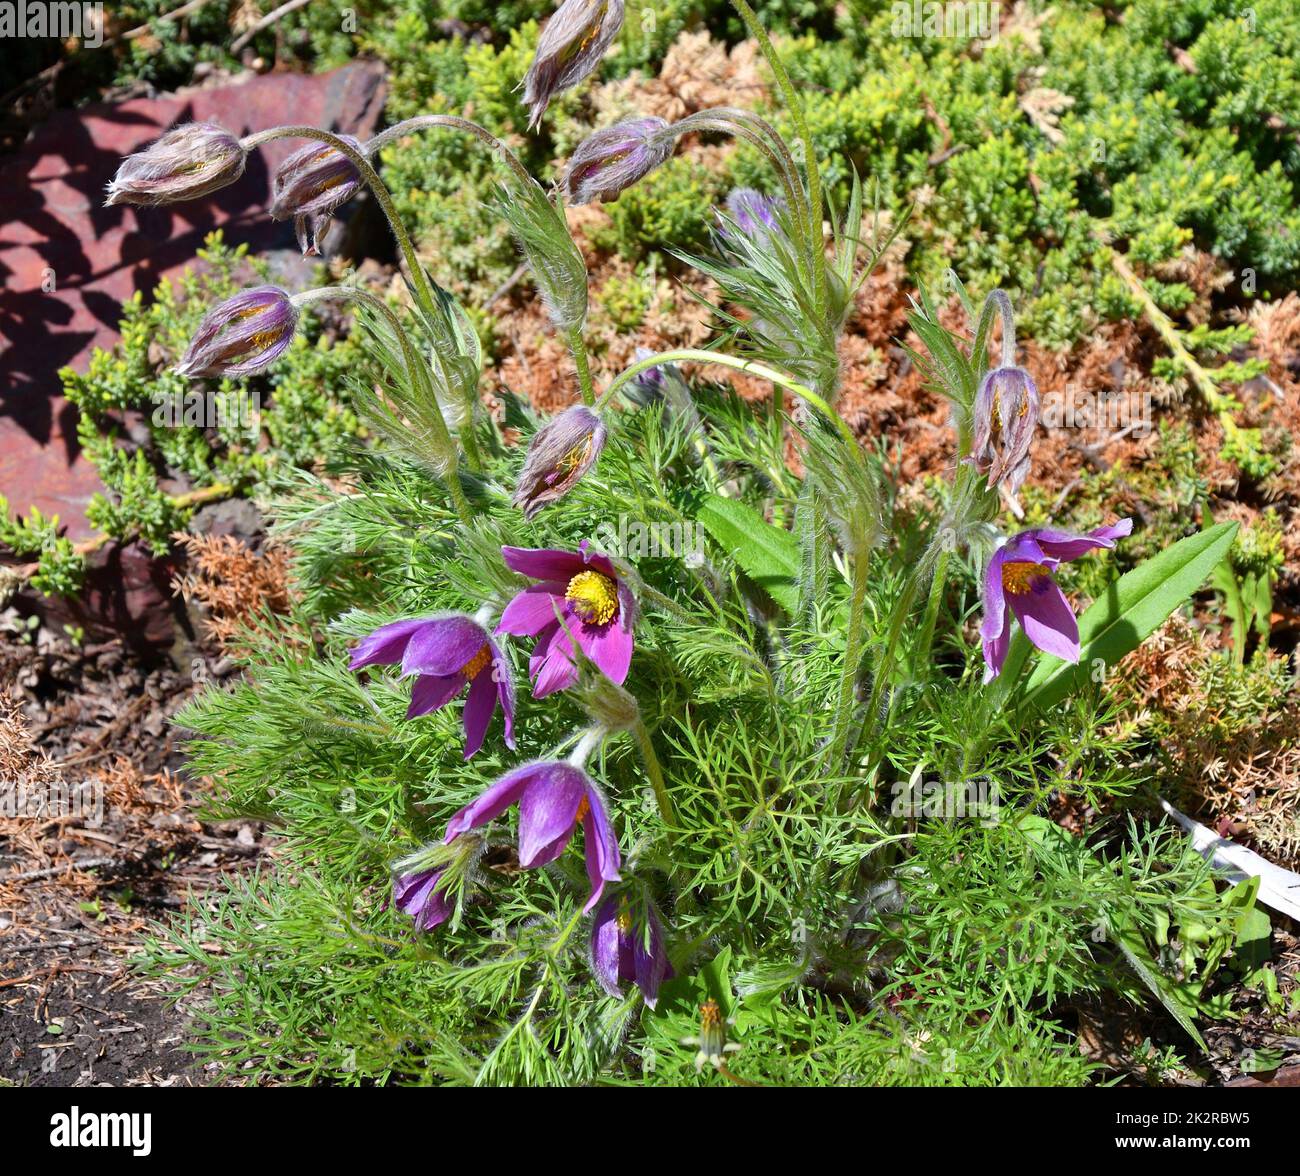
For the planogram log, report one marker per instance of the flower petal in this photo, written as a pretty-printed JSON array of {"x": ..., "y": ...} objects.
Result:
[
  {"x": 552, "y": 666},
  {"x": 609, "y": 646},
  {"x": 430, "y": 693},
  {"x": 601, "y": 845},
  {"x": 1065, "y": 546},
  {"x": 443, "y": 645},
  {"x": 533, "y": 609},
  {"x": 385, "y": 645},
  {"x": 504, "y": 679},
  {"x": 479, "y": 706},
  {"x": 548, "y": 811},
  {"x": 493, "y": 802},
  {"x": 605, "y": 947},
  {"x": 1047, "y": 618},
  {"x": 543, "y": 563}
]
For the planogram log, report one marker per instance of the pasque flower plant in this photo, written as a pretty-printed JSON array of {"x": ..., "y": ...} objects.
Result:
[{"x": 720, "y": 722}]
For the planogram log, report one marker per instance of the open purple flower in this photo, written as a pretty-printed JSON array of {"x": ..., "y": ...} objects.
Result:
[
  {"x": 242, "y": 335},
  {"x": 445, "y": 653},
  {"x": 420, "y": 895},
  {"x": 554, "y": 798},
  {"x": 310, "y": 185},
  {"x": 583, "y": 590},
  {"x": 570, "y": 47},
  {"x": 187, "y": 162},
  {"x": 1007, "y": 404},
  {"x": 627, "y": 949},
  {"x": 561, "y": 452},
  {"x": 615, "y": 158},
  {"x": 1019, "y": 580}
]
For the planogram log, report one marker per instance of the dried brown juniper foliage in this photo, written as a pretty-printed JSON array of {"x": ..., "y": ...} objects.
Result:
[
  {"x": 234, "y": 584},
  {"x": 1225, "y": 738}
]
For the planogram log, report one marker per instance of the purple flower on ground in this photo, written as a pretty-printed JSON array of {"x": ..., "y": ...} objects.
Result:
[
  {"x": 615, "y": 158},
  {"x": 754, "y": 214},
  {"x": 561, "y": 453},
  {"x": 310, "y": 185},
  {"x": 421, "y": 896},
  {"x": 1008, "y": 403},
  {"x": 582, "y": 589},
  {"x": 242, "y": 335},
  {"x": 445, "y": 653},
  {"x": 570, "y": 47},
  {"x": 185, "y": 163},
  {"x": 554, "y": 797},
  {"x": 625, "y": 949},
  {"x": 1019, "y": 580}
]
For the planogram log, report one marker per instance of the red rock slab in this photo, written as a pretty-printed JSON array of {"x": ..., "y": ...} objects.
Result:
[{"x": 67, "y": 263}]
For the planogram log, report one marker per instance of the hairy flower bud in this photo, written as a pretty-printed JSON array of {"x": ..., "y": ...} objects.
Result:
[
  {"x": 310, "y": 185},
  {"x": 615, "y": 158},
  {"x": 561, "y": 453},
  {"x": 1008, "y": 404},
  {"x": 242, "y": 335},
  {"x": 570, "y": 47},
  {"x": 754, "y": 214},
  {"x": 185, "y": 163}
]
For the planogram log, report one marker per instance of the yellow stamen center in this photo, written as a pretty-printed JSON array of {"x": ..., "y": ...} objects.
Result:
[
  {"x": 624, "y": 920},
  {"x": 584, "y": 807},
  {"x": 1018, "y": 576},
  {"x": 574, "y": 458},
  {"x": 477, "y": 664},
  {"x": 710, "y": 1015},
  {"x": 594, "y": 597}
]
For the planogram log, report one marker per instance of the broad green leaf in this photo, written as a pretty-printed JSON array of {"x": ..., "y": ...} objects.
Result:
[
  {"x": 768, "y": 555},
  {"x": 1131, "y": 609}
]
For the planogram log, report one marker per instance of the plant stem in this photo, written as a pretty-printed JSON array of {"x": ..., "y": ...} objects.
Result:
[
  {"x": 452, "y": 122},
  {"x": 690, "y": 355},
  {"x": 655, "y": 772},
  {"x": 852, "y": 653},
  {"x": 578, "y": 347},
  {"x": 937, "y": 585}
]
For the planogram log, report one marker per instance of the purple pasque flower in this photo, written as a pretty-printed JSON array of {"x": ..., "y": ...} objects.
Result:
[
  {"x": 242, "y": 335},
  {"x": 755, "y": 215},
  {"x": 187, "y": 162},
  {"x": 1019, "y": 580},
  {"x": 554, "y": 798},
  {"x": 570, "y": 47},
  {"x": 579, "y": 597},
  {"x": 628, "y": 947},
  {"x": 421, "y": 896},
  {"x": 310, "y": 185},
  {"x": 561, "y": 453},
  {"x": 445, "y": 653},
  {"x": 1007, "y": 402},
  {"x": 615, "y": 158}
]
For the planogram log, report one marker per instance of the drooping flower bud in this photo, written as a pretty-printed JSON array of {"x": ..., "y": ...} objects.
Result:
[
  {"x": 185, "y": 163},
  {"x": 627, "y": 946},
  {"x": 242, "y": 335},
  {"x": 615, "y": 158},
  {"x": 561, "y": 453},
  {"x": 1007, "y": 404},
  {"x": 570, "y": 47},
  {"x": 310, "y": 185}
]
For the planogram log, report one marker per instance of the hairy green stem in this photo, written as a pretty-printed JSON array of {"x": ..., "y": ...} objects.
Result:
[
  {"x": 578, "y": 348},
  {"x": 852, "y": 653},
  {"x": 655, "y": 772},
  {"x": 415, "y": 365}
]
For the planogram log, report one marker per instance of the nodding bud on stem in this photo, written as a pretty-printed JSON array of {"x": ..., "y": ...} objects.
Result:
[
  {"x": 185, "y": 163},
  {"x": 242, "y": 335},
  {"x": 561, "y": 453},
  {"x": 310, "y": 185},
  {"x": 616, "y": 158},
  {"x": 570, "y": 47},
  {"x": 1008, "y": 404}
]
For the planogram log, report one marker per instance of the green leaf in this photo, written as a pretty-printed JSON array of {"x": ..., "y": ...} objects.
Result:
[
  {"x": 1135, "y": 951},
  {"x": 1133, "y": 607},
  {"x": 768, "y": 555}
]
